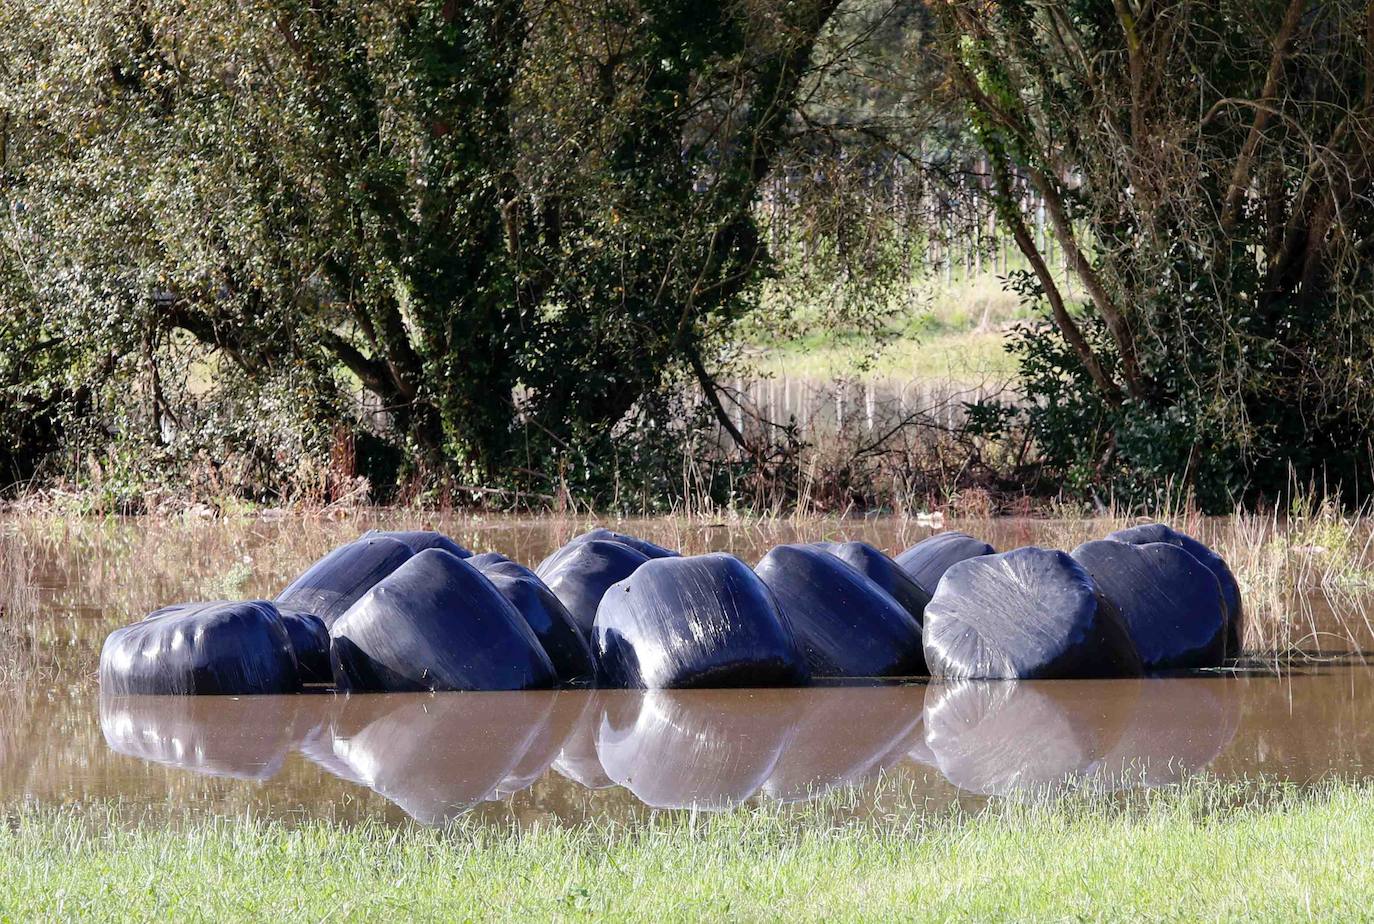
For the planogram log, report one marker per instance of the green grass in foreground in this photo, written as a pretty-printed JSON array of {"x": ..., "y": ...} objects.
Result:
[{"x": 1199, "y": 851}]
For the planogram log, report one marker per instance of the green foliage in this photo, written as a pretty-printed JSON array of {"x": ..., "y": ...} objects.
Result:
[
  {"x": 514, "y": 227},
  {"x": 1225, "y": 241}
]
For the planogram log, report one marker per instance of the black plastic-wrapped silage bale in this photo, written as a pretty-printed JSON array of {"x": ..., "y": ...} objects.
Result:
[
  {"x": 703, "y": 621},
  {"x": 928, "y": 560},
  {"x": 309, "y": 638},
  {"x": 1230, "y": 588},
  {"x": 847, "y": 625},
  {"x": 562, "y": 641},
  {"x": 436, "y": 623},
  {"x": 1171, "y": 603},
  {"x": 579, "y": 577},
  {"x": 213, "y": 648},
  {"x": 883, "y": 571},
  {"x": 338, "y": 580},
  {"x": 1024, "y": 614}
]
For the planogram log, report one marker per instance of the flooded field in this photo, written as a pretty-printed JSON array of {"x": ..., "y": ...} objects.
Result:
[{"x": 586, "y": 755}]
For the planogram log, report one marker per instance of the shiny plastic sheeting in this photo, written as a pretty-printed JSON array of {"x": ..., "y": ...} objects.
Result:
[
  {"x": 420, "y": 539},
  {"x": 883, "y": 571},
  {"x": 1029, "y": 613},
  {"x": 338, "y": 580},
  {"x": 601, "y": 534},
  {"x": 1170, "y": 602},
  {"x": 310, "y": 641},
  {"x": 436, "y": 623},
  {"x": 928, "y": 560},
  {"x": 564, "y": 643},
  {"x": 1230, "y": 588},
  {"x": 703, "y": 621},
  {"x": 582, "y": 572},
  {"x": 211, "y": 648},
  {"x": 846, "y": 624},
  {"x": 309, "y": 638}
]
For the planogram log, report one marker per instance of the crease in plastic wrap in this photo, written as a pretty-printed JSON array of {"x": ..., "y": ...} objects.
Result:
[
  {"x": 1171, "y": 603},
  {"x": 210, "y": 648},
  {"x": 846, "y": 624},
  {"x": 1025, "y": 614},
  {"x": 436, "y": 623},
  {"x": 701, "y": 621}
]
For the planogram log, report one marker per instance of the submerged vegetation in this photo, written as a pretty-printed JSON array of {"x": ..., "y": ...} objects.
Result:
[{"x": 1202, "y": 850}]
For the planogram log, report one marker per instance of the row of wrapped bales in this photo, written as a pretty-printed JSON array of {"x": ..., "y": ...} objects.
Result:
[
  {"x": 414, "y": 611},
  {"x": 437, "y": 757}
]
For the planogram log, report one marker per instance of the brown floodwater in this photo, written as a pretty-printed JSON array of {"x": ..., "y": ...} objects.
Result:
[{"x": 579, "y": 755}]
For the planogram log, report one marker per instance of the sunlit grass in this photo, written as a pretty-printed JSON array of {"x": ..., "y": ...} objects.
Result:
[
  {"x": 952, "y": 356},
  {"x": 1199, "y": 851}
]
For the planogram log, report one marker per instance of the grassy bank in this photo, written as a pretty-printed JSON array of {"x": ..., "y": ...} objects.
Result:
[
  {"x": 945, "y": 331},
  {"x": 1198, "y": 852}
]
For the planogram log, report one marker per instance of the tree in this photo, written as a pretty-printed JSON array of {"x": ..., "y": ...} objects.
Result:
[
  {"x": 1206, "y": 169},
  {"x": 512, "y": 222}
]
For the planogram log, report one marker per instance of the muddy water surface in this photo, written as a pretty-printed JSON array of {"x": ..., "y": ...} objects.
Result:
[{"x": 584, "y": 755}]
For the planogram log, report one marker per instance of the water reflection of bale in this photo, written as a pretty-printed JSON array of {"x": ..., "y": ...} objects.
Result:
[
  {"x": 708, "y": 749},
  {"x": 547, "y": 742},
  {"x": 845, "y": 736},
  {"x": 436, "y": 756},
  {"x": 1178, "y": 727},
  {"x": 245, "y": 738},
  {"x": 1004, "y": 738},
  {"x": 577, "y": 759}
]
